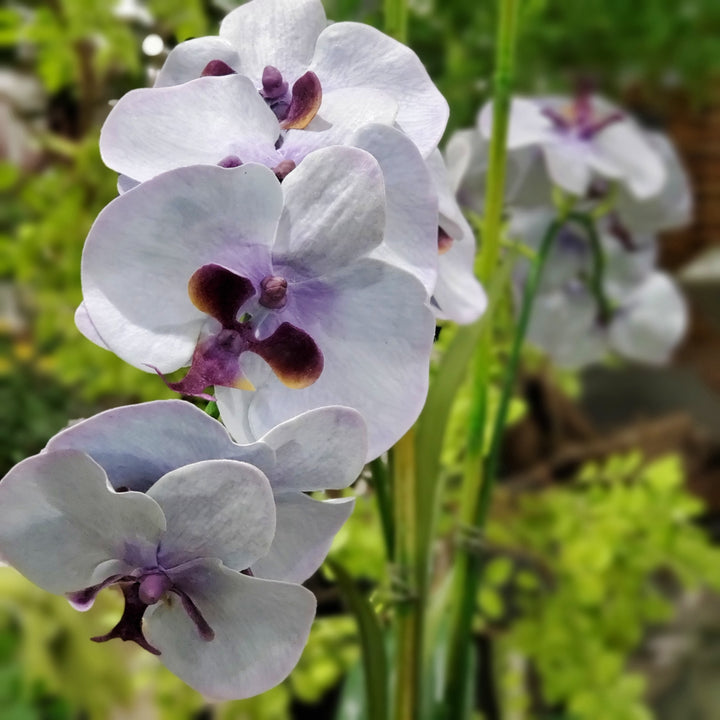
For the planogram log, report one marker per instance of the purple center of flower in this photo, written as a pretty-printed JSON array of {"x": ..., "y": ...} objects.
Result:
[
  {"x": 580, "y": 119},
  {"x": 148, "y": 588},
  {"x": 291, "y": 353},
  {"x": 293, "y": 108}
]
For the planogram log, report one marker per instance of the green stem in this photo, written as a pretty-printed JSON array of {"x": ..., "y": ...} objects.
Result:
[
  {"x": 598, "y": 270},
  {"x": 396, "y": 19},
  {"x": 457, "y": 667},
  {"x": 495, "y": 192},
  {"x": 381, "y": 486},
  {"x": 408, "y": 609},
  {"x": 469, "y": 563}
]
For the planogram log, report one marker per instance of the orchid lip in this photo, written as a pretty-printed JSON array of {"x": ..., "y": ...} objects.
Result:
[
  {"x": 293, "y": 108},
  {"x": 291, "y": 353},
  {"x": 580, "y": 118},
  {"x": 148, "y": 588}
]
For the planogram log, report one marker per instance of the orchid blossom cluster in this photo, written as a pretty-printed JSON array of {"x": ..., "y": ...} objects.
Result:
[
  {"x": 285, "y": 237},
  {"x": 614, "y": 185}
]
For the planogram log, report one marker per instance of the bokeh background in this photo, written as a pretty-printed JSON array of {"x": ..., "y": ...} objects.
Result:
[{"x": 599, "y": 600}]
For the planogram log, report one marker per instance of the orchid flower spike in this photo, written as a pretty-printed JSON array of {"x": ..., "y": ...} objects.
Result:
[
  {"x": 320, "y": 450},
  {"x": 180, "y": 553},
  {"x": 254, "y": 284},
  {"x": 301, "y": 66},
  {"x": 581, "y": 139}
]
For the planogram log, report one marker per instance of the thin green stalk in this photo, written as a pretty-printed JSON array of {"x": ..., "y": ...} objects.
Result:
[
  {"x": 469, "y": 563},
  {"x": 598, "y": 269},
  {"x": 408, "y": 610},
  {"x": 457, "y": 667},
  {"x": 502, "y": 89},
  {"x": 381, "y": 486},
  {"x": 396, "y": 19}
]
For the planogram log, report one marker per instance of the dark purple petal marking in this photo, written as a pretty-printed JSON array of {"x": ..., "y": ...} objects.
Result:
[
  {"x": 273, "y": 292},
  {"x": 129, "y": 627},
  {"x": 293, "y": 356},
  {"x": 204, "y": 630},
  {"x": 217, "y": 68},
  {"x": 230, "y": 161},
  {"x": 579, "y": 118},
  {"x": 291, "y": 353},
  {"x": 83, "y": 599},
  {"x": 140, "y": 592},
  {"x": 216, "y": 361},
  {"x": 283, "y": 169},
  {"x": 445, "y": 242},
  {"x": 219, "y": 292},
  {"x": 305, "y": 103}
]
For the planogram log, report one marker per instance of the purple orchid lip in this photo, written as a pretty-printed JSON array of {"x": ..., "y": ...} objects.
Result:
[
  {"x": 283, "y": 169},
  {"x": 291, "y": 353},
  {"x": 296, "y": 108},
  {"x": 140, "y": 592},
  {"x": 580, "y": 118}
]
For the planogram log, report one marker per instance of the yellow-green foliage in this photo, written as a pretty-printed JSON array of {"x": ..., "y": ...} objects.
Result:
[{"x": 596, "y": 549}]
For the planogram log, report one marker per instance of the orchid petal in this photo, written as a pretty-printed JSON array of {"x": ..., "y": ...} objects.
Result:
[
  {"x": 138, "y": 444},
  {"x": 260, "y": 628},
  {"x": 187, "y": 60},
  {"x": 305, "y": 531},
  {"x": 527, "y": 126},
  {"x": 334, "y": 211},
  {"x": 351, "y": 55},
  {"x": 216, "y": 508},
  {"x": 153, "y": 130},
  {"x": 65, "y": 529},
  {"x": 652, "y": 321},
  {"x": 410, "y": 240},
  {"x": 165, "y": 231},
  {"x": 281, "y": 33},
  {"x": 322, "y": 449}
]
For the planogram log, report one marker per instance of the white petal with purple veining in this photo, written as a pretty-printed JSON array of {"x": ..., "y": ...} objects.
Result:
[
  {"x": 215, "y": 509},
  {"x": 64, "y": 528},
  {"x": 281, "y": 33},
  {"x": 410, "y": 239},
  {"x": 334, "y": 211},
  {"x": 376, "y": 335},
  {"x": 151, "y": 130},
  {"x": 652, "y": 321},
  {"x": 187, "y": 60},
  {"x": 321, "y": 449},
  {"x": 154, "y": 238},
  {"x": 353, "y": 55},
  {"x": 304, "y": 534},
  {"x": 138, "y": 444},
  {"x": 260, "y": 627}
]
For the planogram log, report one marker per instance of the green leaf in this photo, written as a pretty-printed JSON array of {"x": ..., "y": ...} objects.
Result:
[{"x": 371, "y": 639}]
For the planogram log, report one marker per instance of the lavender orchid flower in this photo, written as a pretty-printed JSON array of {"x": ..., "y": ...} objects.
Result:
[
  {"x": 180, "y": 554},
  {"x": 256, "y": 284},
  {"x": 299, "y": 64},
  {"x": 322, "y": 449},
  {"x": 645, "y": 317},
  {"x": 583, "y": 139},
  {"x": 222, "y": 121}
]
